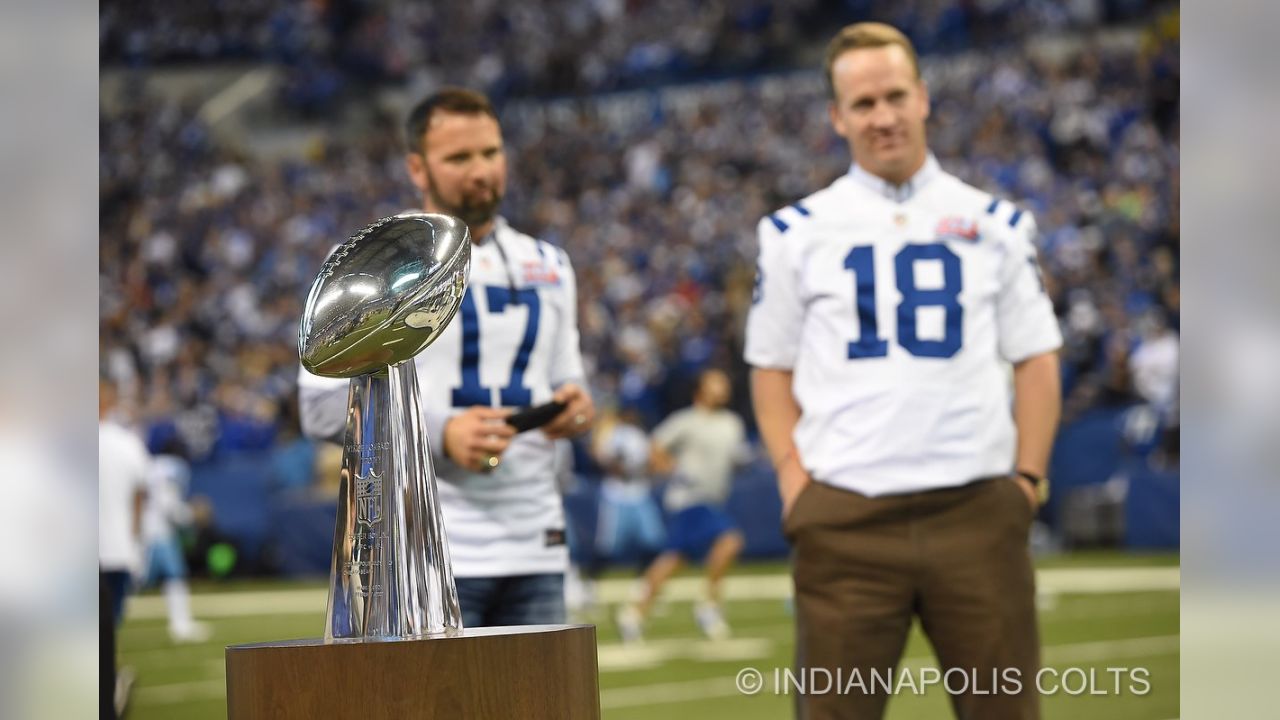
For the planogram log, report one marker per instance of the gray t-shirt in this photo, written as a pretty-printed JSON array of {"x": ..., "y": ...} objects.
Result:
[{"x": 705, "y": 445}]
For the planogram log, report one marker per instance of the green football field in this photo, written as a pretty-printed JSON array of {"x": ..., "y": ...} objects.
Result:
[{"x": 1097, "y": 611}]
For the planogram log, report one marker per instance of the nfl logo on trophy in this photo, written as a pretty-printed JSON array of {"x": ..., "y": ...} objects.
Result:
[{"x": 369, "y": 498}]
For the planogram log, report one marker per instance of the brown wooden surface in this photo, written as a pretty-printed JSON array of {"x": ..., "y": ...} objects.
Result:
[{"x": 543, "y": 671}]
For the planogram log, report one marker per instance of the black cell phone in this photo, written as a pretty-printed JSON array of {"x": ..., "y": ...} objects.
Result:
[{"x": 535, "y": 416}]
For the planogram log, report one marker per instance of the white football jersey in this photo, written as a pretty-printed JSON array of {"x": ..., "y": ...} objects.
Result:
[
  {"x": 627, "y": 446},
  {"x": 513, "y": 341},
  {"x": 166, "y": 509},
  {"x": 123, "y": 463},
  {"x": 898, "y": 310}
]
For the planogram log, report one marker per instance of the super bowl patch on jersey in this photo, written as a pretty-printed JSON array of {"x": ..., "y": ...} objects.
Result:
[
  {"x": 538, "y": 273},
  {"x": 957, "y": 228}
]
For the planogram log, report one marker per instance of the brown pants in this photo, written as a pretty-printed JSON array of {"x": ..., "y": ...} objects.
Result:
[{"x": 957, "y": 557}]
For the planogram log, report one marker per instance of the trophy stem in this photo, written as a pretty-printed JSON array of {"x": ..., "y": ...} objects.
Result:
[
  {"x": 391, "y": 576},
  {"x": 425, "y": 534}
]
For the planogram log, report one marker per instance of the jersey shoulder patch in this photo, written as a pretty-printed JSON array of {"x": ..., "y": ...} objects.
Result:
[
  {"x": 788, "y": 217},
  {"x": 1004, "y": 211}
]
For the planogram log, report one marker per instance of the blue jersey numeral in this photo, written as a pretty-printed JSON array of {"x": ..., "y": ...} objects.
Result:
[
  {"x": 861, "y": 262},
  {"x": 514, "y": 394},
  {"x": 913, "y": 298},
  {"x": 471, "y": 392}
]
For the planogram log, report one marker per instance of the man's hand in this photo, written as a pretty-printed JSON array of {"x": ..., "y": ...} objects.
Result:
[
  {"x": 792, "y": 480},
  {"x": 1028, "y": 489},
  {"x": 1037, "y": 403},
  {"x": 577, "y": 416},
  {"x": 476, "y": 438}
]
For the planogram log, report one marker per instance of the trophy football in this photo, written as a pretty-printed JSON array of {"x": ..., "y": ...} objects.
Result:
[{"x": 381, "y": 298}]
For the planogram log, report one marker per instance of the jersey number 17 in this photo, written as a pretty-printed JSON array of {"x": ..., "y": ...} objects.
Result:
[{"x": 514, "y": 394}]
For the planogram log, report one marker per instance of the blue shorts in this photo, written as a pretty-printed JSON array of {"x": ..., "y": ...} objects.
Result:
[
  {"x": 628, "y": 527},
  {"x": 693, "y": 530},
  {"x": 164, "y": 561}
]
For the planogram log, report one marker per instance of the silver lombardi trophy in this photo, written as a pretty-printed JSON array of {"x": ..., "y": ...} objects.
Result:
[{"x": 380, "y": 299}]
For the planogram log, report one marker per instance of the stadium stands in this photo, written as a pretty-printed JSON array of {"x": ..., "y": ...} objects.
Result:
[{"x": 206, "y": 252}]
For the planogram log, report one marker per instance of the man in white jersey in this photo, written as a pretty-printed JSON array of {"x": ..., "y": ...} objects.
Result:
[
  {"x": 888, "y": 309},
  {"x": 699, "y": 445},
  {"x": 513, "y": 343},
  {"x": 123, "y": 463}
]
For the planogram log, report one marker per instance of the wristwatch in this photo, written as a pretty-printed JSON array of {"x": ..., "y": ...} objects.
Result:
[{"x": 1040, "y": 483}]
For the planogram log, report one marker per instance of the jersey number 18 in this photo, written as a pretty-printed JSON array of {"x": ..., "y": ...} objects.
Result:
[{"x": 861, "y": 262}]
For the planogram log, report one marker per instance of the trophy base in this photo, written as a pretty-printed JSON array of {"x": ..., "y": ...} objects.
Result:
[{"x": 533, "y": 671}]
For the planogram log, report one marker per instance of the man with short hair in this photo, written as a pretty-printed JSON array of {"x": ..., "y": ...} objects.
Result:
[
  {"x": 888, "y": 309},
  {"x": 699, "y": 446},
  {"x": 513, "y": 343},
  {"x": 123, "y": 464}
]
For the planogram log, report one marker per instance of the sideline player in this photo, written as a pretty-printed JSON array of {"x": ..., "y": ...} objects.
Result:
[
  {"x": 888, "y": 308},
  {"x": 629, "y": 520},
  {"x": 166, "y": 512},
  {"x": 702, "y": 443}
]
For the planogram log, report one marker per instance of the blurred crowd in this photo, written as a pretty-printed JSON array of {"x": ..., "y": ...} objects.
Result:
[
  {"x": 207, "y": 254},
  {"x": 333, "y": 48}
]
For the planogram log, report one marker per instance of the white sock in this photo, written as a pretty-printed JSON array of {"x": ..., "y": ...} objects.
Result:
[{"x": 178, "y": 599}]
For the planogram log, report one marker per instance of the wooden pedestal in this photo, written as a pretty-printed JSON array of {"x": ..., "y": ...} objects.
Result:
[{"x": 537, "y": 671}]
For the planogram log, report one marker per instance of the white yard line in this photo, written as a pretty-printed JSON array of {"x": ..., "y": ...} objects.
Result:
[
  {"x": 1090, "y": 652},
  {"x": 235, "y": 604},
  {"x": 666, "y": 693},
  {"x": 618, "y": 657},
  {"x": 180, "y": 692},
  {"x": 1084, "y": 581},
  {"x": 1063, "y": 581}
]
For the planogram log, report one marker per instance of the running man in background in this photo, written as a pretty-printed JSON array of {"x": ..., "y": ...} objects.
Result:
[
  {"x": 700, "y": 446},
  {"x": 889, "y": 307}
]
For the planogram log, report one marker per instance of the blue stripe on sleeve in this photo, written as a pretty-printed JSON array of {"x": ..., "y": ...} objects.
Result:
[
  {"x": 995, "y": 203},
  {"x": 782, "y": 227},
  {"x": 801, "y": 209},
  {"x": 1013, "y": 221}
]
